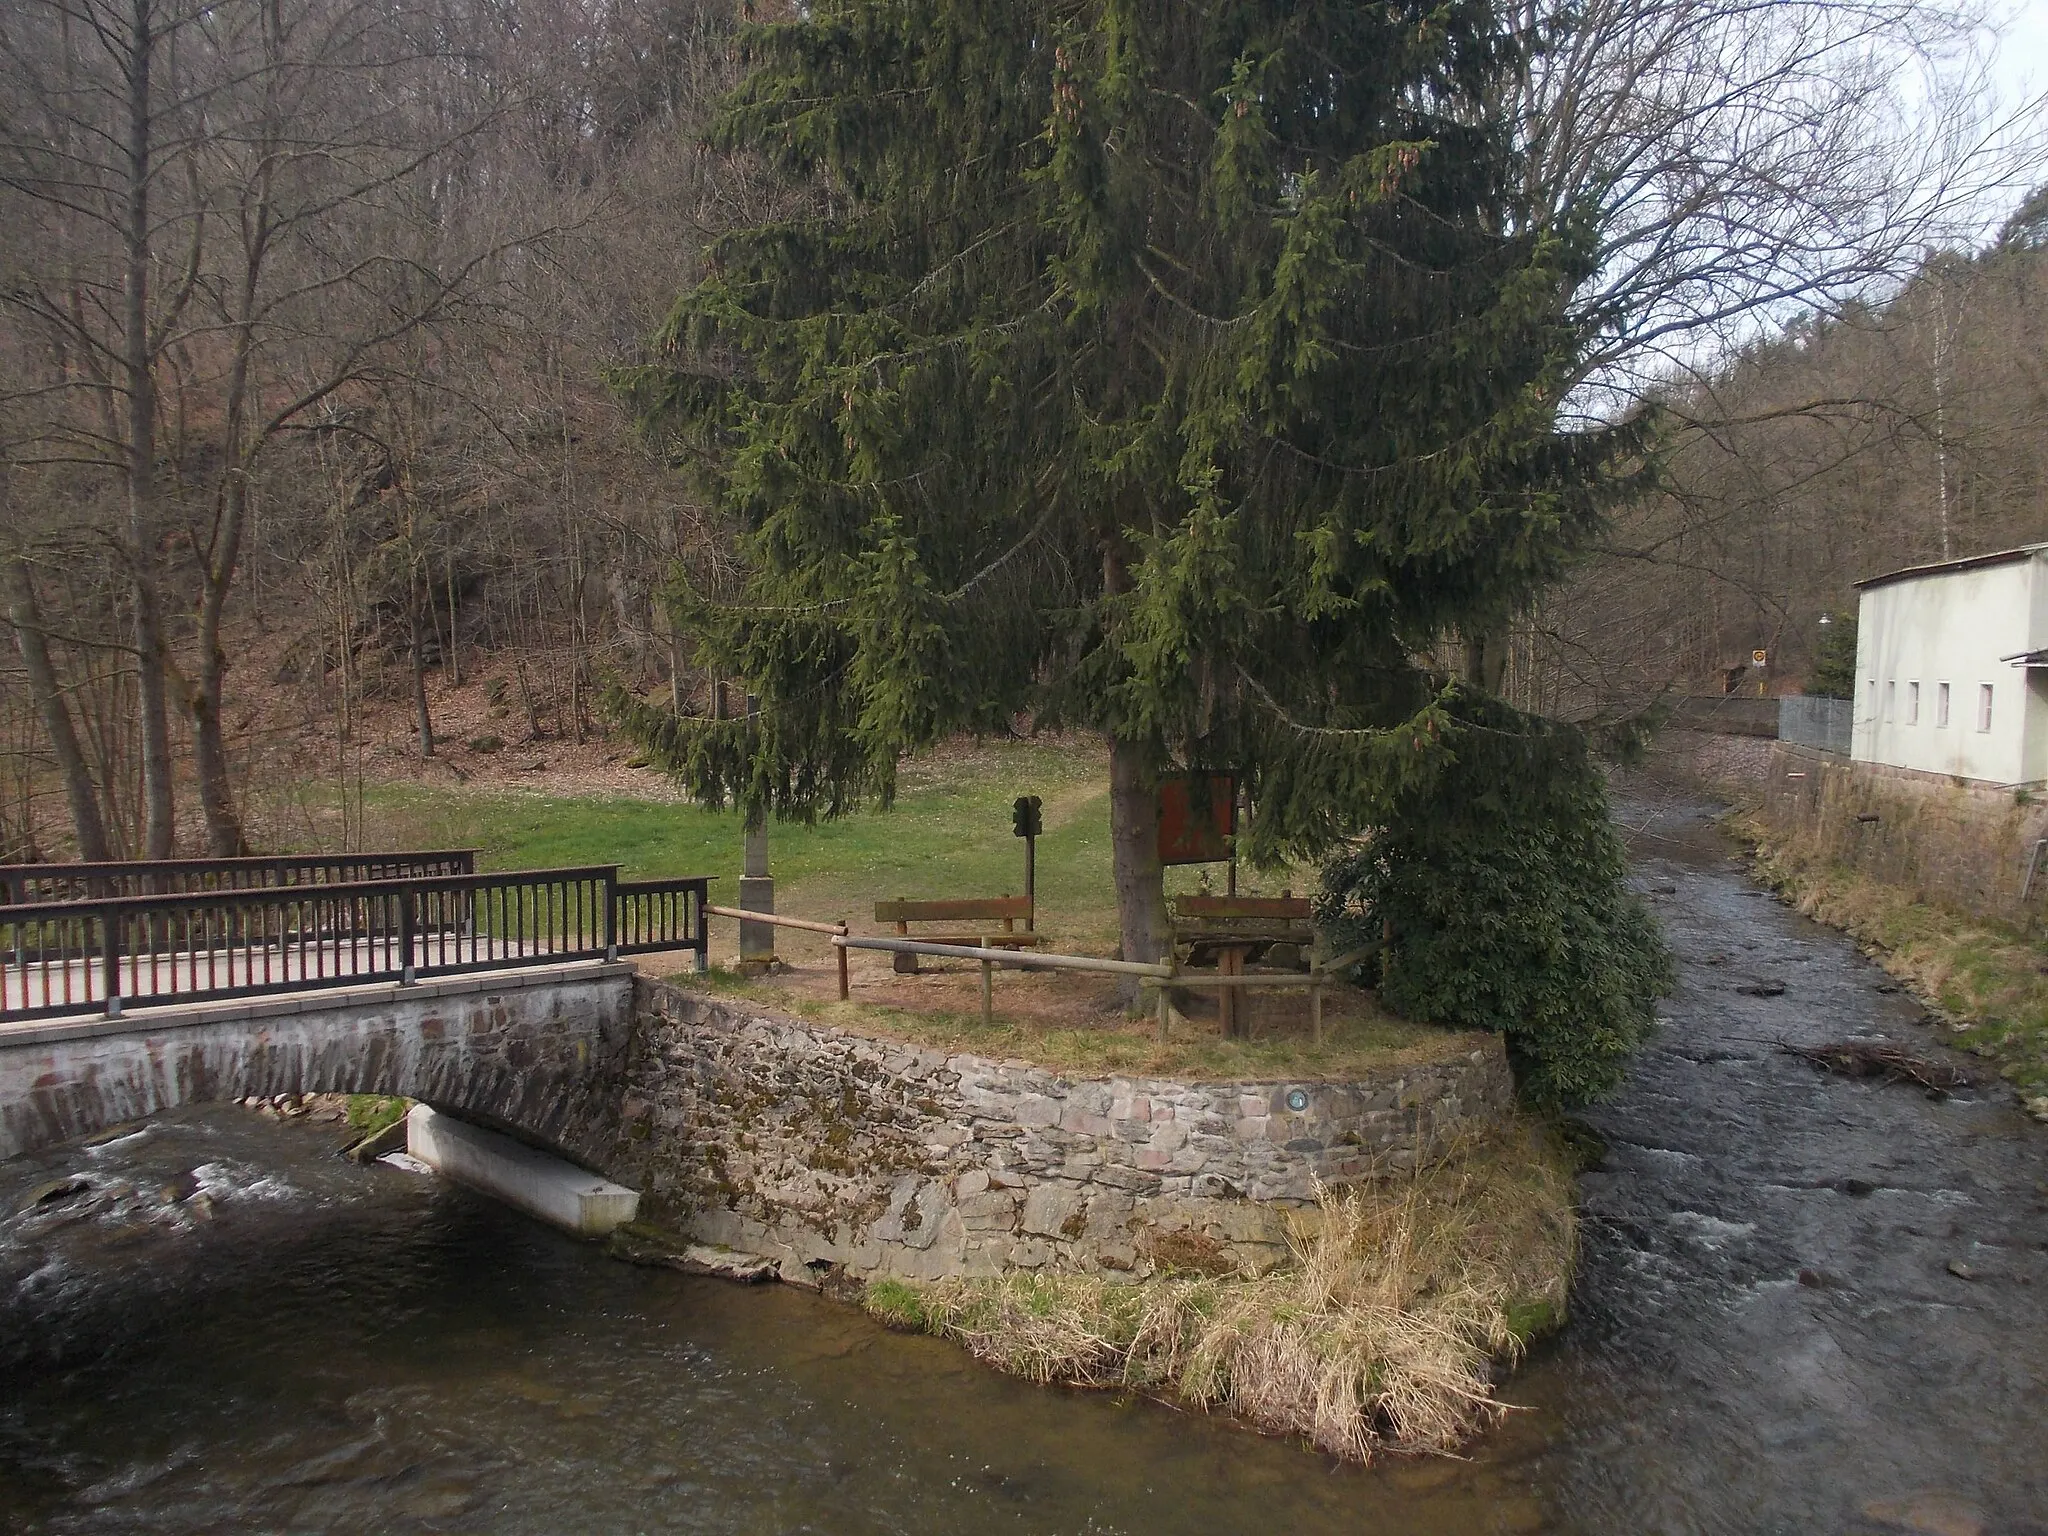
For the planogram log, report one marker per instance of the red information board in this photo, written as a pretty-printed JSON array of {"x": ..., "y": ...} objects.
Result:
[{"x": 1197, "y": 817}]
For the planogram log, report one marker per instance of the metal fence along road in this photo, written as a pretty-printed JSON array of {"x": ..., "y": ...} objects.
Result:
[{"x": 1808, "y": 721}]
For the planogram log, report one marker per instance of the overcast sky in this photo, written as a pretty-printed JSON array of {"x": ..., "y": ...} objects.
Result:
[
  {"x": 2021, "y": 61},
  {"x": 2019, "y": 73}
]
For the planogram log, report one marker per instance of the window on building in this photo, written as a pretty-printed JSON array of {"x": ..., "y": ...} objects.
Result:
[
  {"x": 1912, "y": 703},
  {"x": 1891, "y": 701},
  {"x": 1983, "y": 706},
  {"x": 1870, "y": 692},
  {"x": 1941, "y": 706}
]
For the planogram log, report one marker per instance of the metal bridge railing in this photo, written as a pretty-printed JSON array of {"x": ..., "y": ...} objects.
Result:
[
  {"x": 663, "y": 914},
  {"x": 109, "y": 953},
  {"x": 21, "y": 883}
]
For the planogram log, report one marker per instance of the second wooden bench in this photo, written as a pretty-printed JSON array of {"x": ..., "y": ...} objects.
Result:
[{"x": 985, "y": 910}]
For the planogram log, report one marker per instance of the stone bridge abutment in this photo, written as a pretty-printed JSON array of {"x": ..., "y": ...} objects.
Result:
[{"x": 541, "y": 1053}]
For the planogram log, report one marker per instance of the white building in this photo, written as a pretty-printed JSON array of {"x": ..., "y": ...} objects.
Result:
[{"x": 1952, "y": 668}]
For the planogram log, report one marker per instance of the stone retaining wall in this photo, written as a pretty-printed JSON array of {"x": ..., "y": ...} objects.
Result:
[
  {"x": 1733, "y": 766},
  {"x": 825, "y": 1150},
  {"x": 1946, "y": 840}
]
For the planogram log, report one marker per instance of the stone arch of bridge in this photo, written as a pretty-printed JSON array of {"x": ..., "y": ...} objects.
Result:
[{"x": 543, "y": 1061}]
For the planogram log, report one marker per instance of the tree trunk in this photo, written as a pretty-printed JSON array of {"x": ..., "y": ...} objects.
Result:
[
  {"x": 423, "y": 721},
  {"x": 1134, "y": 851},
  {"x": 1486, "y": 660},
  {"x": 453, "y": 660},
  {"x": 225, "y": 835},
  {"x": 152, "y": 651},
  {"x": 526, "y": 699},
  {"x": 27, "y": 622},
  {"x": 223, "y": 552},
  {"x": 1142, "y": 927}
]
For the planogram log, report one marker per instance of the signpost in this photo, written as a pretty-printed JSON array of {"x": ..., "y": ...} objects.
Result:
[{"x": 1027, "y": 822}]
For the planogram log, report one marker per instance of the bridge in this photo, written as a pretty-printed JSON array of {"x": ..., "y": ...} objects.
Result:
[{"x": 131, "y": 988}]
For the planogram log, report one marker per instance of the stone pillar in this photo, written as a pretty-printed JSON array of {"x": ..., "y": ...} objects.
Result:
[{"x": 757, "y": 893}]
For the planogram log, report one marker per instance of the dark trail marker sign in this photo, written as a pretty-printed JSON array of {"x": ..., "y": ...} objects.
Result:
[{"x": 1027, "y": 822}]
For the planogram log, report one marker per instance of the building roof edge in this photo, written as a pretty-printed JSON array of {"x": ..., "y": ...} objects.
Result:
[{"x": 1944, "y": 567}]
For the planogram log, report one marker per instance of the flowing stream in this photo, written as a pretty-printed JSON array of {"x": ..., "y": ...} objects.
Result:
[{"x": 223, "y": 1326}]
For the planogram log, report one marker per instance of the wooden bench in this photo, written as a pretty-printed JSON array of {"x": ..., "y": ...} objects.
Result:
[
  {"x": 1007, "y": 910},
  {"x": 1236, "y": 929}
]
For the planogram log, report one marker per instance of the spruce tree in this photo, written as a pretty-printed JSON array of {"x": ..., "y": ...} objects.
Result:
[
  {"x": 1181, "y": 369},
  {"x": 1834, "y": 659}
]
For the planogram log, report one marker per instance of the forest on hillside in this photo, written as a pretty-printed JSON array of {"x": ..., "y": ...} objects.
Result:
[
  {"x": 306, "y": 314},
  {"x": 310, "y": 309},
  {"x": 1895, "y": 431}
]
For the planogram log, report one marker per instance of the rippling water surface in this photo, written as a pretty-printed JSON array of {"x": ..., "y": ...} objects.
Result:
[{"x": 223, "y": 1326}]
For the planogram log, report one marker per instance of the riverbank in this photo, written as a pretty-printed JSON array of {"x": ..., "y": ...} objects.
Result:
[
  {"x": 166, "y": 1371},
  {"x": 1348, "y": 1259},
  {"x": 1405, "y": 1300},
  {"x": 1986, "y": 982},
  {"x": 1803, "y": 1303}
]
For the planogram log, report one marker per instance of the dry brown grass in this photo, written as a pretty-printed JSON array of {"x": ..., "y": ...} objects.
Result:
[
  {"x": 1988, "y": 980},
  {"x": 1406, "y": 1297},
  {"x": 1071, "y": 1023}
]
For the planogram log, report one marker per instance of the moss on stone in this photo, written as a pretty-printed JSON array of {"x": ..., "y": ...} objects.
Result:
[{"x": 370, "y": 1113}]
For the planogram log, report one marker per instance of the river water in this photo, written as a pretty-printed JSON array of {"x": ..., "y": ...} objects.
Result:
[{"x": 302, "y": 1344}]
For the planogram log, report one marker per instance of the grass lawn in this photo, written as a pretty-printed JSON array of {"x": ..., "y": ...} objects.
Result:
[
  {"x": 1073, "y": 1024},
  {"x": 948, "y": 836}
]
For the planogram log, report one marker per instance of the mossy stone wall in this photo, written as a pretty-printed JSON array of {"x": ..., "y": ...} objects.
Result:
[{"x": 830, "y": 1151}]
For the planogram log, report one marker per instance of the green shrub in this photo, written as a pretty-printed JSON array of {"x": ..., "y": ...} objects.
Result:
[
  {"x": 1834, "y": 659},
  {"x": 1498, "y": 884}
]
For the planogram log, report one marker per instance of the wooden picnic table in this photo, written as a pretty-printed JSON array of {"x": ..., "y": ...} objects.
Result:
[{"x": 1234, "y": 928}]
